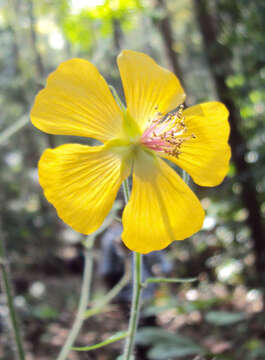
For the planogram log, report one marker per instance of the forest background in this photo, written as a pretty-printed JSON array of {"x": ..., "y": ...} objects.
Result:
[{"x": 216, "y": 48}]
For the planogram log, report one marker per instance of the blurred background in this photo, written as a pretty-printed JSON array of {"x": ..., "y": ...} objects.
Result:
[{"x": 216, "y": 47}]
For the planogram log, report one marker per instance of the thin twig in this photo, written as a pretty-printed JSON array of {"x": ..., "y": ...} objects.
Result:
[
  {"x": 167, "y": 280},
  {"x": 7, "y": 289},
  {"x": 135, "y": 307},
  {"x": 85, "y": 294},
  {"x": 11, "y": 130}
]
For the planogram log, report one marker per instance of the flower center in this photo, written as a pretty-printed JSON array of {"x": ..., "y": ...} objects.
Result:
[{"x": 166, "y": 134}]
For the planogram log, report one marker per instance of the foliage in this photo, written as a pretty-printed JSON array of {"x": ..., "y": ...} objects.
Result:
[{"x": 166, "y": 345}]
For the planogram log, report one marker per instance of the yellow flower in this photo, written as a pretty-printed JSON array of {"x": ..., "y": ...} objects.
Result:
[{"x": 82, "y": 181}]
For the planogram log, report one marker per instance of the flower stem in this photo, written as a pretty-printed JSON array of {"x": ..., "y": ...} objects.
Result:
[
  {"x": 12, "y": 313},
  {"x": 85, "y": 294},
  {"x": 135, "y": 308},
  {"x": 185, "y": 177},
  {"x": 137, "y": 287},
  {"x": 126, "y": 190}
]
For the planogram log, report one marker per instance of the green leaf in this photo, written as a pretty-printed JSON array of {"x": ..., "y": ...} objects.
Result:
[
  {"x": 153, "y": 335},
  {"x": 150, "y": 310},
  {"x": 223, "y": 318},
  {"x": 155, "y": 310},
  {"x": 45, "y": 312},
  {"x": 116, "y": 337},
  {"x": 257, "y": 353},
  {"x": 169, "y": 351},
  {"x": 165, "y": 344}
]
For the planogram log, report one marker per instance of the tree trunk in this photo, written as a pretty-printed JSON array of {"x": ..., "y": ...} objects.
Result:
[
  {"x": 166, "y": 32},
  {"x": 13, "y": 27},
  {"x": 33, "y": 35},
  {"x": 219, "y": 66},
  {"x": 117, "y": 34},
  {"x": 40, "y": 70}
]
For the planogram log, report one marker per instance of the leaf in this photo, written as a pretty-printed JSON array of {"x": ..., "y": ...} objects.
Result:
[
  {"x": 166, "y": 344},
  {"x": 167, "y": 351},
  {"x": 257, "y": 353},
  {"x": 155, "y": 310},
  {"x": 154, "y": 335},
  {"x": 223, "y": 318},
  {"x": 116, "y": 337},
  {"x": 45, "y": 312}
]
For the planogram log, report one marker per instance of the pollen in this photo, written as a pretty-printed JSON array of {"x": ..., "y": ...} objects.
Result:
[{"x": 166, "y": 134}]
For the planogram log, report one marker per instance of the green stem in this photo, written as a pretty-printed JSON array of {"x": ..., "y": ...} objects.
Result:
[
  {"x": 12, "y": 313},
  {"x": 84, "y": 298},
  {"x": 126, "y": 190},
  {"x": 14, "y": 128},
  {"x": 137, "y": 287},
  {"x": 166, "y": 280},
  {"x": 135, "y": 308},
  {"x": 185, "y": 177}
]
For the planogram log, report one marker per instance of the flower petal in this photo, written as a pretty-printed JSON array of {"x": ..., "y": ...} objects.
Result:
[
  {"x": 206, "y": 158},
  {"x": 161, "y": 209},
  {"x": 77, "y": 101},
  {"x": 81, "y": 182},
  {"x": 148, "y": 87}
]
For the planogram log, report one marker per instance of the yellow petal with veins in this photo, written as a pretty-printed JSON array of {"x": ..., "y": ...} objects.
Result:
[
  {"x": 82, "y": 183},
  {"x": 77, "y": 101},
  {"x": 148, "y": 87},
  {"x": 161, "y": 209},
  {"x": 205, "y": 157}
]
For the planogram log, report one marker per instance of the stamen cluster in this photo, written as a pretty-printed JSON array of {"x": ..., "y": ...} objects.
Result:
[{"x": 165, "y": 133}]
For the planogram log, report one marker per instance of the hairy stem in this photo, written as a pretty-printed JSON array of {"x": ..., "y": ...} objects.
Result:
[
  {"x": 84, "y": 298},
  {"x": 137, "y": 287},
  {"x": 135, "y": 309}
]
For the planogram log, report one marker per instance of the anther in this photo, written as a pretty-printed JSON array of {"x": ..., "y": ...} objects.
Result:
[{"x": 166, "y": 133}]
